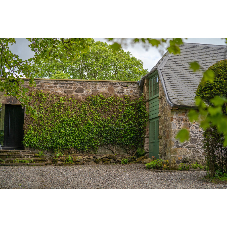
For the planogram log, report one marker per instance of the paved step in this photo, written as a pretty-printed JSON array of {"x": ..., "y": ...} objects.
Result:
[
  {"x": 24, "y": 164},
  {"x": 25, "y": 159},
  {"x": 21, "y": 157},
  {"x": 16, "y": 155}
]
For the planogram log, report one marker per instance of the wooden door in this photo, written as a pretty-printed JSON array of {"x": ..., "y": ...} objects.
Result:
[
  {"x": 13, "y": 127},
  {"x": 153, "y": 115}
]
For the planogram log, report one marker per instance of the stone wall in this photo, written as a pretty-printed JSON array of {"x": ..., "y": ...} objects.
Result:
[
  {"x": 191, "y": 150},
  {"x": 83, "y": 88},
  {"x": 171, "y": 120},
  {"x": 80, "y": 89},
  {"x": 165, "y": 132}
]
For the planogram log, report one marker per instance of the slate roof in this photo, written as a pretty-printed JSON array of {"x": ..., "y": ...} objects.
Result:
[{"x": 179, "y": 82}]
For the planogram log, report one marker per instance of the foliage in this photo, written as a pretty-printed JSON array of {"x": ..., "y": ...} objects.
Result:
[
  {"x": 183, "y": 166},
  {"x": 40, "y": 154},
  {"x": 17, "y": 160},
  {"x": 196, "y": 166},
  {"x": 69, "y": 160},
  {"x": 62, "y": 122},
  {"x": 182, "y": 135},
  {"x": 209, "y": 99},
  {"x": 98, "y": 62},
  {"x": 212, "y": 97},
  {"x": 140, "y": 152},
  {"x": 11, "y": 69},
  {"x": 173, "y": 43},
  {"x": 124, "y": 161},
  {"x": 158, "y": 164}
]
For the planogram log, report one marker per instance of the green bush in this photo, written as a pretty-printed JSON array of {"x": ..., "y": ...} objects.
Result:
[
  {"x": 158, "y": 164},
  {"x": 216, "y": 154},
  {"x": 183, "y": 166},
  {"x": 140, "y": 152},
  {"x": 124, "y": 161},
  {"x": 196, "y": 166},
  {"x": 69, "y": 160},
  {"x": 62, "y": 122}
]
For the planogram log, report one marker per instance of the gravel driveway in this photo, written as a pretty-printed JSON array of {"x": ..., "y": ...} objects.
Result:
[{"x": 132, "y": 176}]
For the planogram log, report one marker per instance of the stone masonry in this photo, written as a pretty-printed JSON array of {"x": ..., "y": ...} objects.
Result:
[
  {"x": 80, "y": 89},
  {"x": 171, "y": 120}
]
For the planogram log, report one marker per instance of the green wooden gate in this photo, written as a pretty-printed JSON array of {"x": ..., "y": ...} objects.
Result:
[{"x": 153, "y": 115}]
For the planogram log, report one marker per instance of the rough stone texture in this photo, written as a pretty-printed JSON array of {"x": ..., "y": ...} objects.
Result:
[
  {"x": 191, "y": 150},
  {"x": 170, "y": 122},
  {"x": 81, "y": 88},
  {"x": 164, "y": 125}
]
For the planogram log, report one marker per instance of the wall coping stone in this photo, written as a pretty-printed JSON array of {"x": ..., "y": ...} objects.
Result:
[{"x": 79, "y": 80}]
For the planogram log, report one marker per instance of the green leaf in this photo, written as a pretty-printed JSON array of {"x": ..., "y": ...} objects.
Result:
[
  {"x": 174, "y": 49},
  {"x": 225, "y": 141},
  {"x": 194, "y": 66},
  {"x": 208, "y": 76},
  {"x": 183, "y": 135},
  {"x": 116, "y": 46},
  {"x": 193, "y": 115},
  {"x": 218, "y": 101},
  {"x": 205, "y": 124},
  {"x": 200, "y": 103},
  {"x": 154, "y": 42},
  {"x": 215, "y": 110}
]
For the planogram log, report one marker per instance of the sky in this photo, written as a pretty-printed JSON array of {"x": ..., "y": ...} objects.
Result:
[{"x": 149, "y": 57}]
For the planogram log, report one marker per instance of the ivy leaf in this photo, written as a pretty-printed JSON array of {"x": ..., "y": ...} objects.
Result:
[
  {"x": 194, "y": 66},
  {"x": 183, "y": 135}
]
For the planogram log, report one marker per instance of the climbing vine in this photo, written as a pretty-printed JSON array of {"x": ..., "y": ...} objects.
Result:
[{"x": 63, "y": 122}]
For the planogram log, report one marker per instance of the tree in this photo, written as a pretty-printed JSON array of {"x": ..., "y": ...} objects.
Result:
[
  {"x": 98, "y": 62},
  {"x": 12, "y": 68},
  {"x": 68, "y": 50}
]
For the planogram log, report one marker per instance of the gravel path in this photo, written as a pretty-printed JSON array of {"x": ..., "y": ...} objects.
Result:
[{"x": 133, "y": 176}]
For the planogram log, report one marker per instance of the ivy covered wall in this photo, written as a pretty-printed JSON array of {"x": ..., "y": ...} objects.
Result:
[{"x": 85, "y": 115}]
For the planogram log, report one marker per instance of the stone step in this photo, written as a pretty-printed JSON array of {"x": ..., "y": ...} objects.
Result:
[
  {"x": 10, "y": 159},
  {"x": 16, "y": 155},
  {"x": 3, "y": 151},
  {"x": 25, "y": 164}
]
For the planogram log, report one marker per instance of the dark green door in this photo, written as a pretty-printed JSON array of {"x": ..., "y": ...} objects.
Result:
[
  {"x": 13, "y": 127},
  {"x": 153, "y": 115}
]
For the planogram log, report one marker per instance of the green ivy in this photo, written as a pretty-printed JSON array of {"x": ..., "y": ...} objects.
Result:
[
  {"x": 212, "y": 95},
  {"x": 62, "y": 122}
]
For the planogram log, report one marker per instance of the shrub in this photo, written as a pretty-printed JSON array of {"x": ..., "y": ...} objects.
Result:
[
  {"x": 140, "y": 152},
  {"x": 124, "y": 161},
  {"x": 216, "y": 154},
  {"x": 183, "y": 166},
  {"x": 158, "y": 164}
]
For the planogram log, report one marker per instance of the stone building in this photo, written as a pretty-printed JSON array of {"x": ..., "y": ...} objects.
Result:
[{"x": 170, "y": 91}]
